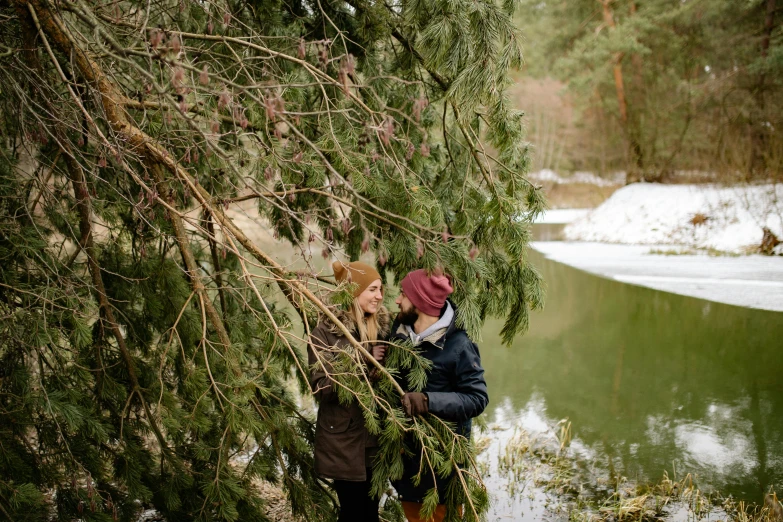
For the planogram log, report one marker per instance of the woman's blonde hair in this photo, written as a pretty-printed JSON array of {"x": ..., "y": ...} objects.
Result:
[{"x": 367, "y": 324}]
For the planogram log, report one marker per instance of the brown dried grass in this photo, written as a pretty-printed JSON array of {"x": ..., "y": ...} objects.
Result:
[{"x": 576, "y": 195}]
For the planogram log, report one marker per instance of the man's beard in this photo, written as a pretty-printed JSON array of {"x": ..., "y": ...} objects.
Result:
[{"x": 408, "y": 317}]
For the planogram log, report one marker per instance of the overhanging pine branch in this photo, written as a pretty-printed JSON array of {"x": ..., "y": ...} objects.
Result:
[
  {"x": 84, "y": 208},
  {"x": 158, "y": 158}
]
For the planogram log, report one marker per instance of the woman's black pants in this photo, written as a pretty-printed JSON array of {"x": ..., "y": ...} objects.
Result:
[{"x": 356, "y": 504}]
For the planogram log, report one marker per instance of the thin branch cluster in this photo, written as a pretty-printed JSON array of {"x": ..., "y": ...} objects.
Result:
[{"x": 150, "y": 328}]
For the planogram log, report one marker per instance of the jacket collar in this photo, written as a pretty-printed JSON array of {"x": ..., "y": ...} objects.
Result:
[{"x": 435, "y": 334}]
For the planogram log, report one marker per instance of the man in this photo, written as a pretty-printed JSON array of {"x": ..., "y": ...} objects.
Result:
[{"x": 455, "y": 389}]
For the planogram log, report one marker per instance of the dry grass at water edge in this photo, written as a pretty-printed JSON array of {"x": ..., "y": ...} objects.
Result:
[
  {"x": 711, "y": 252},
  {"x": 578, "y": 494}
]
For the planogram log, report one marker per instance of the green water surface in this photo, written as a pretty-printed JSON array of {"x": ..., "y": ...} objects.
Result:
[{"x": 650, "y": 381}]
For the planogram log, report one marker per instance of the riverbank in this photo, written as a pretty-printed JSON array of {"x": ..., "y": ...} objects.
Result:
[
  {"x": 696, "y": 240},
  {"x": 752, "y": 281},
  {"x": 701, "y": 217},
  {"x": 543, "y": 478}
]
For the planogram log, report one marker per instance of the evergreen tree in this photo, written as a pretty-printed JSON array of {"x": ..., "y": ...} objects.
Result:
[
  {"x": 667, "y": 84},
  {"x": 142, "y": 340}
]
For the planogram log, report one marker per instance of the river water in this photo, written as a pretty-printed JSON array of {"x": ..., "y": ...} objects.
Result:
[{"x": 650, "y": 381}]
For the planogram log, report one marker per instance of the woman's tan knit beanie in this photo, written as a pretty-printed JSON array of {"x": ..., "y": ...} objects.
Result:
[{"x": 356, "y": 272}]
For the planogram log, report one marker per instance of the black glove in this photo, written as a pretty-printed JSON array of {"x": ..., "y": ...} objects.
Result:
[{"x": 415, "y": 403}]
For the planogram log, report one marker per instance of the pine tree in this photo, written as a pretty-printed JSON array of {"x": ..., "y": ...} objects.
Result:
[
  {"x": 143, "y": 337},
  {"x": 667, "y": 84}
]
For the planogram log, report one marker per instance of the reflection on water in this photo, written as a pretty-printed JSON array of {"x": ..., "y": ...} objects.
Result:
[{"x": 650, "y": 381}]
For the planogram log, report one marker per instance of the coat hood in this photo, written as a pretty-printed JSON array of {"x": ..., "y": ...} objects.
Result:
[{"x": 437, "y": 333}]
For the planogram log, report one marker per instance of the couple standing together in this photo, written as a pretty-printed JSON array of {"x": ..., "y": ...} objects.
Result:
[{"x": 455, "y": 389}]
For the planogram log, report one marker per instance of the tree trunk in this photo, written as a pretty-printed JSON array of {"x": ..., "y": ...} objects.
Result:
[
  {"x": 634, "y": 146},
  {"x": 769, "y": 25},
  {"x": 759, "y": 135},
  {"x": 617, "y": 66},
  {"x": 637, "y": 95},
  {"x": 636, "y": 59}
]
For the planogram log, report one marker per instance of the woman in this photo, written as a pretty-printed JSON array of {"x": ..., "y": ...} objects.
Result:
[{"x": 343, "y": 447}]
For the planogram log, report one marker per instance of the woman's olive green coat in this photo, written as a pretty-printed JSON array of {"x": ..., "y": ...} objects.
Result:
[{"x": 343, "y": 445}]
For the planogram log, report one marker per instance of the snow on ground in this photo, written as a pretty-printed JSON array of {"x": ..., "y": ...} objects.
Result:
[
  {"x": 562, "y": 215},
  {"x": 752, "y": 281},
  {"x": 728, "y": 219}
]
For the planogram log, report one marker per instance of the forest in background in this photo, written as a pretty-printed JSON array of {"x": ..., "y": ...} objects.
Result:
[{"x": 666, "y": 90}]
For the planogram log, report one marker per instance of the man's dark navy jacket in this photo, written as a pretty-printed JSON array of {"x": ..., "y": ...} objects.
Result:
[{"x": 456, "y": 390}]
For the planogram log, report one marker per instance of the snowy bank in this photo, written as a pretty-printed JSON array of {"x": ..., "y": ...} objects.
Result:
[
  {"x": 752, "y": 281},
  {"x": 728, "y": 219}
]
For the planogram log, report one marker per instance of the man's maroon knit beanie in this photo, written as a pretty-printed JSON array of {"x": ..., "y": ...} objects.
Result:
[{"x": 428, "y": 293}]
